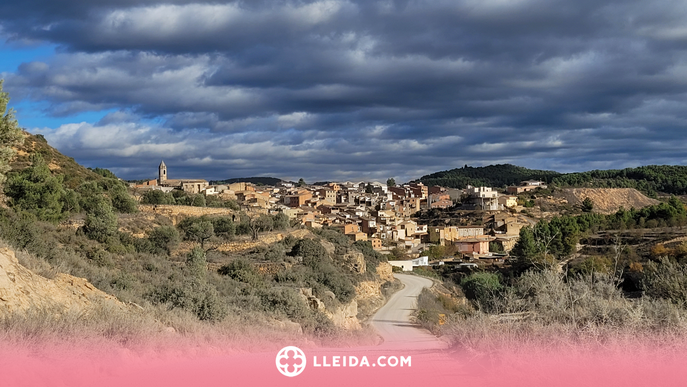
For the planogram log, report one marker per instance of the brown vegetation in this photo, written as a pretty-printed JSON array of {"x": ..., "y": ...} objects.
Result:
[{"x": 606, "y": 200}]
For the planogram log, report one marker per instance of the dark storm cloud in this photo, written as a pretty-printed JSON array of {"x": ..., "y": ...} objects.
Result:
[{"x": 336, "y": 89}]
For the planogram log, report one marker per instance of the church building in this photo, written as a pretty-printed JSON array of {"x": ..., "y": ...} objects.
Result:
[{"x": 188, "y": 185}]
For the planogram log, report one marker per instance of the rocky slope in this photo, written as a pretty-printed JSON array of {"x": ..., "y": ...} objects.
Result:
[
  {"x": 606, "y": 200},
  {"x": 22, "y": 290}
]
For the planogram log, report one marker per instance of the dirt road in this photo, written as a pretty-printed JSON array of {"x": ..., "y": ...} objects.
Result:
[{"x": 393, "y": 321}]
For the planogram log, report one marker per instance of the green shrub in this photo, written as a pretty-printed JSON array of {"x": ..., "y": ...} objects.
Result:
[
  {"x": 101, "y": 223},
  {"x": 157, "y": 197},
  {"x": 481, "y": 287},
  {"x": 37, "y": 191},
  {"x": 281, "y": 221},
  {"x": 198, "y": 200},
  {"x": 202, "y": 300},
  {"x": 100, "y": 257},
  {"x": 124, "y": 203},
  {"x": 144, "y": 245},
  {"x": 196, "y": 264},
  {"x": 286, "y": 302},
  {"x": 313, "y": 252},
  {"x": 224, "y": 226},
  {"x": 164, "y": 238},
  {"x": 339, "y": 283},
  {"x": 333, "y": 235},
  {"x": 242, "y": 271}
]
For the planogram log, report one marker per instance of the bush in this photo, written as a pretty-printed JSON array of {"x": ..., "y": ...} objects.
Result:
[
  {"x": 144, "y": 245},
  {"x": 334, "y": 236},
  {"x": 481, "y": 287},
  {"x": 197, "y": 229},
  {"x": 242, "y": 271},
  {"x": 124, "y": 203},
  {"x": 202, "y": 300},
  {"x": 101, "y": 223},
  {"x": 286, "y": 302},
  {"x": 207, "y": 305},
  {"x": 198, "y": 200},
  {"x": 224, "y": 226},
  {"x": 197, "y": 265},
  {"x": 337, "y": 282},
  {"x": 157, "y": 197},
  {"x": 100, "y": 257},
  {"x": 216, "y": 201},
  {"x": 281, "y": 221},
  {"x": 666, "y": 279},
  {"x": 313, "y": 252},
  {"x": 37, "y": 191},
  {"x": 165, "y": 238}
]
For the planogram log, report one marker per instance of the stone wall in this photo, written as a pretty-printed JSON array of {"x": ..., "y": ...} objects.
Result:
[{"x": 176, "y": 213}]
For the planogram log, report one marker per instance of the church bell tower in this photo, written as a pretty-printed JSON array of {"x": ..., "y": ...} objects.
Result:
[{"x": 162, "y": 172}]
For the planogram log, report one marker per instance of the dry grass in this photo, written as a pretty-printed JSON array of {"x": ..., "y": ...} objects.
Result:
[
  {"x": 544, "y": 313},
  {"x": 145, "y": 326},
  {"x": 104, "y": 329}
]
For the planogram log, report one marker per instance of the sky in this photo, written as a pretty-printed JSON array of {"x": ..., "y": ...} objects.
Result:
[{"x": 349, "y": 90}]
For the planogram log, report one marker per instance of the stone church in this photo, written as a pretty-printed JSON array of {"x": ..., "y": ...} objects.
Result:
[{"x": 188, "y": 185}]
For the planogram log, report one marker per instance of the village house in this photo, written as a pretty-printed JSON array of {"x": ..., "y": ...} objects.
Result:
[
  {"x": 411, "y": 263},
  {"x": 448, "y": 234},
  {"x": 376, "y": 243},
  {"x": 508, "y": 201},
  {"x": 145, "y": 184},
  {"x": 484, "y": 198},
  {"x": 357, "y": 236},
  {"x": 506, "y": 242},
  {"x": 526, "y": 186},
  {"x": 298, "y": 198},
  {"x": 329, "y": 195},
  {"x": 368, "y": 225},
  {"x": 440, "y": 200},
  {"x": 478, "y": 246}
]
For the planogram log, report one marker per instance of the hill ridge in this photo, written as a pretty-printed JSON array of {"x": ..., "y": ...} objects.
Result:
[{"x": 649, "y": 179}]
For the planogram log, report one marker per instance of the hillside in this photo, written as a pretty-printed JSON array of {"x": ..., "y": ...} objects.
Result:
[
  {"x": 607, "y": 200},
  {"x": 651, "y": 179},
  {"x": 500, "y": 175},
  {"x": 204, "y": 269},
  {"x": 58, "y": 163},
  {"x": 22, "y": 290},
  {"x": 255, "y": 180}
]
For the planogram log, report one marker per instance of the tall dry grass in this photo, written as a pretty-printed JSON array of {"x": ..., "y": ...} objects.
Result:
[{"x": 544, "y": 311}]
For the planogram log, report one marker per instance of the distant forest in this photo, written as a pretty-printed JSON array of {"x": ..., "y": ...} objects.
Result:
[
  {"x": 500, "y": 175},
  {"x": 651, "y": 179},
  {"x": 255, "y": 180}
]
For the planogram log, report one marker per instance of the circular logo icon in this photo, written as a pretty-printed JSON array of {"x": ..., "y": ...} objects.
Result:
[{"x": 290, "y": 361}]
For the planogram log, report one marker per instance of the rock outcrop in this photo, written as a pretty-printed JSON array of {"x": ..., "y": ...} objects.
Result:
[
  {"x": 368, "y": 294},
  {"x": 22, "y": 290},
  {"x": 343, "y": 315}
]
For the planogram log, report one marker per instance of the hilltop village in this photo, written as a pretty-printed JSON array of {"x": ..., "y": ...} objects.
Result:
[
  {"x": 387, "y": 215},
  {"x": 268, "y": 253}
]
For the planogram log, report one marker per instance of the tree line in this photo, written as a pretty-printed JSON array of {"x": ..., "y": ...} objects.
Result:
[
  {"x": 651, "y": 179},
  {"x": 671, "y": 179},
  {"x": 557, "y": 238},
  {"x": 500, "y": 175}
]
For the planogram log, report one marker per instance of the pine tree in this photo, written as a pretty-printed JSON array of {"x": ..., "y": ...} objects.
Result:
[{"x": 10, "y": 134}]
